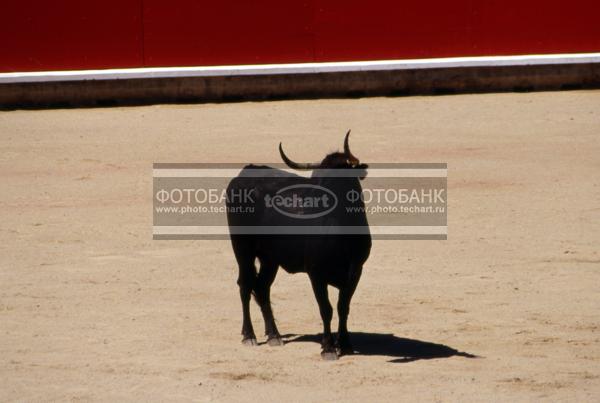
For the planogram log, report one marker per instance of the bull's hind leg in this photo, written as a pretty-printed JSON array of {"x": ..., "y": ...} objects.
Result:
[
  {"x": 262, "y": 293},
  {"x": 247, "y": 281},
  {"x": 343, "y": 344},
  {"x": 320, "y": 289},
  {"x": 243, "y": 248}
]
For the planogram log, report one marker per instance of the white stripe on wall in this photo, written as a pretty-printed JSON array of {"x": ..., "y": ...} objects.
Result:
[{"x": 298, "y": 68}]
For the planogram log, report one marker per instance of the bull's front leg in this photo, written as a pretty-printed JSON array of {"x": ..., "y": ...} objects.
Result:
[{"x": 320, "y": 289}]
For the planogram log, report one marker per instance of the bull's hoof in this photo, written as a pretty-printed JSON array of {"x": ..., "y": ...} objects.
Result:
[
  {"x": 329, "y": 355},
  {"x": 250, "y": 341},
  {"x": 275, "y": 341}
]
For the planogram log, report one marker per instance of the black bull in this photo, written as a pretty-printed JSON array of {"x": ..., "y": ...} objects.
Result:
[{"x": 328, "y": 256}]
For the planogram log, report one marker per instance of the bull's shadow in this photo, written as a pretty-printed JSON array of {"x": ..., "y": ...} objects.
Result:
[{"x": 397, "y": 348}]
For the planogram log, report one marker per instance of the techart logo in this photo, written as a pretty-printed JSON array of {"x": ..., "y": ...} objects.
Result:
[{"x": 302, "y": 201}]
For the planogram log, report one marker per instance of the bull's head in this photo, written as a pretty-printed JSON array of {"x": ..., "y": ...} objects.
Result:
[{"x": 337, "y": 160}]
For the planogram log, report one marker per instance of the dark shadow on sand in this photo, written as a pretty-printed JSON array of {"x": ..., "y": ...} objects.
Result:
[{"x": 397, "y": 348}]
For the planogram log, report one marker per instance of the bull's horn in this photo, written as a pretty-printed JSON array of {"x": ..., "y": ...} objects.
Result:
[
  {"x": 295, "y": 165},
  {"x": 347, "y": 148}
]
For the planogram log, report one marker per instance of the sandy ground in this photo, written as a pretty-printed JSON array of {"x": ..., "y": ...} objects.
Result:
[{"x": 92, "y": 309}]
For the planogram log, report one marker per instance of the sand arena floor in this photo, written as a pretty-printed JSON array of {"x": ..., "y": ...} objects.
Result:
[{"x": 91, "y": 308}]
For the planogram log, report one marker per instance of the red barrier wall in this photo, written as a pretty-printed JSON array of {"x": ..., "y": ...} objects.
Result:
[{"x": 94, "y": 34}]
